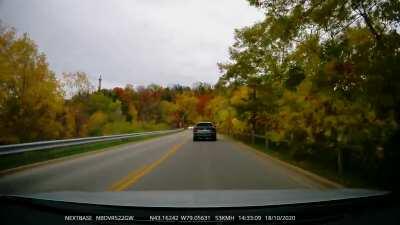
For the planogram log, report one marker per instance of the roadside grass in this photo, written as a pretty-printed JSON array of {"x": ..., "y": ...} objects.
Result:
[
  {"x": 348, "y": 179},
  {"x": 26, "y": 158}
]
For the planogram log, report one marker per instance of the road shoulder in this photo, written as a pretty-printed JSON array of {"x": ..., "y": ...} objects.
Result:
[{"x": 312, "y": 176}]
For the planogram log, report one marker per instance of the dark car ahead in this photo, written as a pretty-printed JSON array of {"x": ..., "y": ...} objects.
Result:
[{"x": 204, "y": 131}]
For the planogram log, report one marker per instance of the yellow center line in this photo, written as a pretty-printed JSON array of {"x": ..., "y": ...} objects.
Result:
[{"x": 135, "y": 175}]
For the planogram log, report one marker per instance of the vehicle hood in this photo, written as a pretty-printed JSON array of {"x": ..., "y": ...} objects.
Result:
[{"x": 206, "y": 198}]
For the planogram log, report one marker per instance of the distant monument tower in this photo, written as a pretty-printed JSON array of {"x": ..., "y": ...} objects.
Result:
[{"x": 100, "y": 83}]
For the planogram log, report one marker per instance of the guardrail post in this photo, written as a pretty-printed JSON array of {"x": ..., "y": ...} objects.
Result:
[
  {"x": 252, "y": 137},
  {"x": 266, "y": 144}
]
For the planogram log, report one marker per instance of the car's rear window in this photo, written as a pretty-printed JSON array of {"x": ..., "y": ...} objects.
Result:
[{"x": 204, "y": 125}]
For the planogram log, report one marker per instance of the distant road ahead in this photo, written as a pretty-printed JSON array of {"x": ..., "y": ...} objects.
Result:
[{"x": 172, "y": 162}]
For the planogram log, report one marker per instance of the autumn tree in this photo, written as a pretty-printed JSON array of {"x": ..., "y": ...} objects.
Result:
[
  {"x": 324, "y": 76},
  {"x": 186, "y": 112},
  {"x": 30, "y": 97},
  {"x": 127, "y": 98},
  {"x": 76, "y": 84}
]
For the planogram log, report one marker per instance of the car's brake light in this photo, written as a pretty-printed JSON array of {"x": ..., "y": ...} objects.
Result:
[{"x": 195, "y": 129}]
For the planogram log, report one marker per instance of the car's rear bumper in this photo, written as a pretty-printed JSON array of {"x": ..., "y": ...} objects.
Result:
[{"x": 209, "y": 135}]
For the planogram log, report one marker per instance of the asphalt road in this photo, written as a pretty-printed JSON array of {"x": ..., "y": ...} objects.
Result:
[{"x": 172, "y": 162}]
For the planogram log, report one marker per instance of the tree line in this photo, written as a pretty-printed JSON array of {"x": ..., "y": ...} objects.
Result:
[{"x": 36, "y": 105}]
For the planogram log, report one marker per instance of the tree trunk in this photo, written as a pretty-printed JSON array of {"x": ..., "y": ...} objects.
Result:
[
  {"x": 252, "y": 136},
  {"x": 370, "y": 24},
  {"x": 253, "y": 116},
  {"x": 340, "y": 161}
]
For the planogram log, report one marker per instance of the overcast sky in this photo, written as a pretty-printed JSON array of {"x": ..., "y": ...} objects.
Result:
[{"x": 132, "y": 41}]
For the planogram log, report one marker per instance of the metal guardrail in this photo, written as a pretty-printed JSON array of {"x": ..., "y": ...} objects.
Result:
[{"x": 41, "y": 145}]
